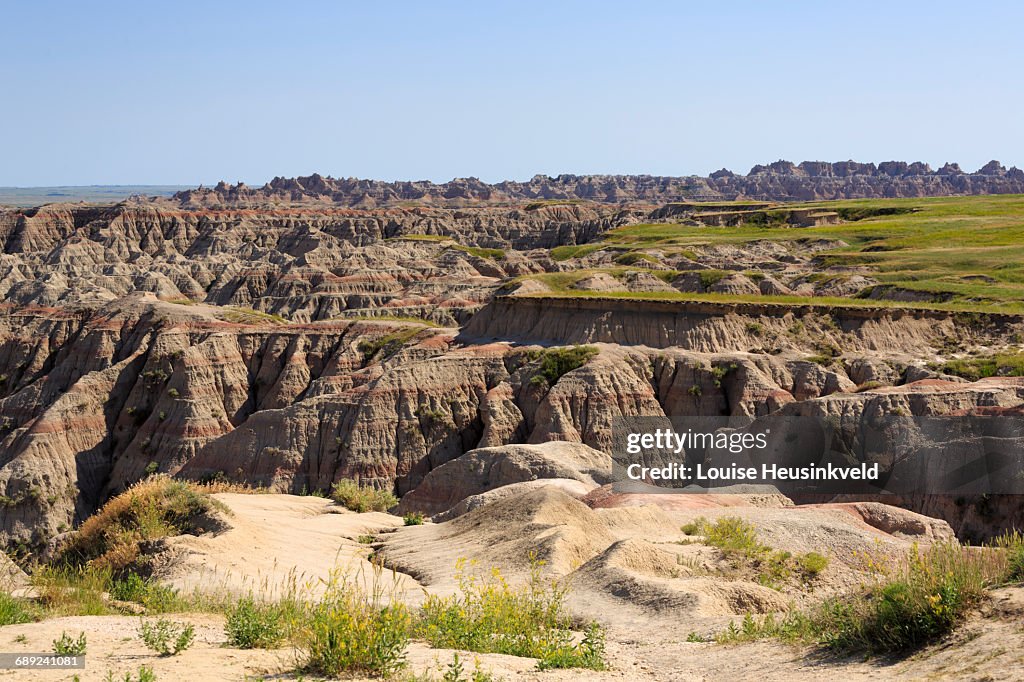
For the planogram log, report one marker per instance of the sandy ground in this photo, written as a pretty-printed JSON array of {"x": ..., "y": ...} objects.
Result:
[
  {"x": 277, "y": 541},
  {"x": 276, "y": 536}
]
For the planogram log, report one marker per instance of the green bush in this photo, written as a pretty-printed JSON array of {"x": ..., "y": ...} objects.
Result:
[
  {"x": 350, "y": 632},
  {"x": 490, "y": 616},
  {"x": 254, "y": 625},
  {"x": 166, "y": 637},
  {"x": 413, "y": 519},
  {"x": 812, "y": 563},
  {"x": 357, "y": 498},
  {"x": 66, "y": 645},
  {"x": 556, "y": 362},
  {"x": 733, "y": 535}
]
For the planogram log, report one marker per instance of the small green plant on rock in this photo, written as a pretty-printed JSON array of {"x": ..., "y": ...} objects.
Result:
[{"x": 66, "y": 645}]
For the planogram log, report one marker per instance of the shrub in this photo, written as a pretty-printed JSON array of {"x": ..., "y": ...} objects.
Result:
[
  {"x": 357, "y": 498},
  {"x": 66, "y": 645},
  {"x": 254, "y": 625},
  {"x": 166, "y": 637},
  {"x": 413, "y": 519},
  {"x": 154, "y": 508},
  {"x": 812, "y": 563},
  {"x": 556, "y": 362},
  {"x": 732, "y": 534},
  {"x": 490, "y": 616},
  {"x": 349, "y": 631}
]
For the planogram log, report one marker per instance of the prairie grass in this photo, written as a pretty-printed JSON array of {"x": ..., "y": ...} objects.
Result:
[
  {"x": 383, "y": 347},
  {"x": 966, "y": 252},
  {"x": 249, "y": 316},
  {"x": 910, "y": 602},
  {"x": 737, "y": 540},
  {"x": 489, "y": 615},
  {"x": 155, "y": 508},
  {"x": 391, "y": 318},
  {"x": 1000, "y": 364},
  {"x": 73, "y": 591}
]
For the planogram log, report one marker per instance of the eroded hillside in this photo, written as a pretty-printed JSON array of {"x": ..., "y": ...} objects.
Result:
[{"x": 290, "y": 347}]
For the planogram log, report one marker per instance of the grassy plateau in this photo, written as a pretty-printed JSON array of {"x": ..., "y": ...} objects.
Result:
[{"x": 961, "y": 253}]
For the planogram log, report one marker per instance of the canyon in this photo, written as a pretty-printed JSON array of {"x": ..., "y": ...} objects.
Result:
[{"x": 291, "y": 346}]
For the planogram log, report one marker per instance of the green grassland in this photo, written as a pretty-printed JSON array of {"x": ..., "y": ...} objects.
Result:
[{"x": 968, "y": 252}]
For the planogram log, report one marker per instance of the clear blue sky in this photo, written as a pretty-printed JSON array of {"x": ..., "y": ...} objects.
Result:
[{"x": 182, "y": 92}]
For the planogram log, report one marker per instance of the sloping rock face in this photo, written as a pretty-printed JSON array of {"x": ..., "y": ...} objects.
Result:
[{"x": 485, "y": 469}]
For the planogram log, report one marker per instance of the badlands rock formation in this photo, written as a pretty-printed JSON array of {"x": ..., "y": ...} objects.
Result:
[
  {"x": 290, "y": 346},
  {"x": 779, "y": 181}
]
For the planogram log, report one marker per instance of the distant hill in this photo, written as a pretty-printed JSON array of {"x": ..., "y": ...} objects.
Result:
[
  {"x": 778, "y": 181},
  {"x": 97, "y": 194}
]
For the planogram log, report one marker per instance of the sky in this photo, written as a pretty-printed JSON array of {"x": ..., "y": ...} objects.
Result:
[{"x": 189, "y": 93}]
